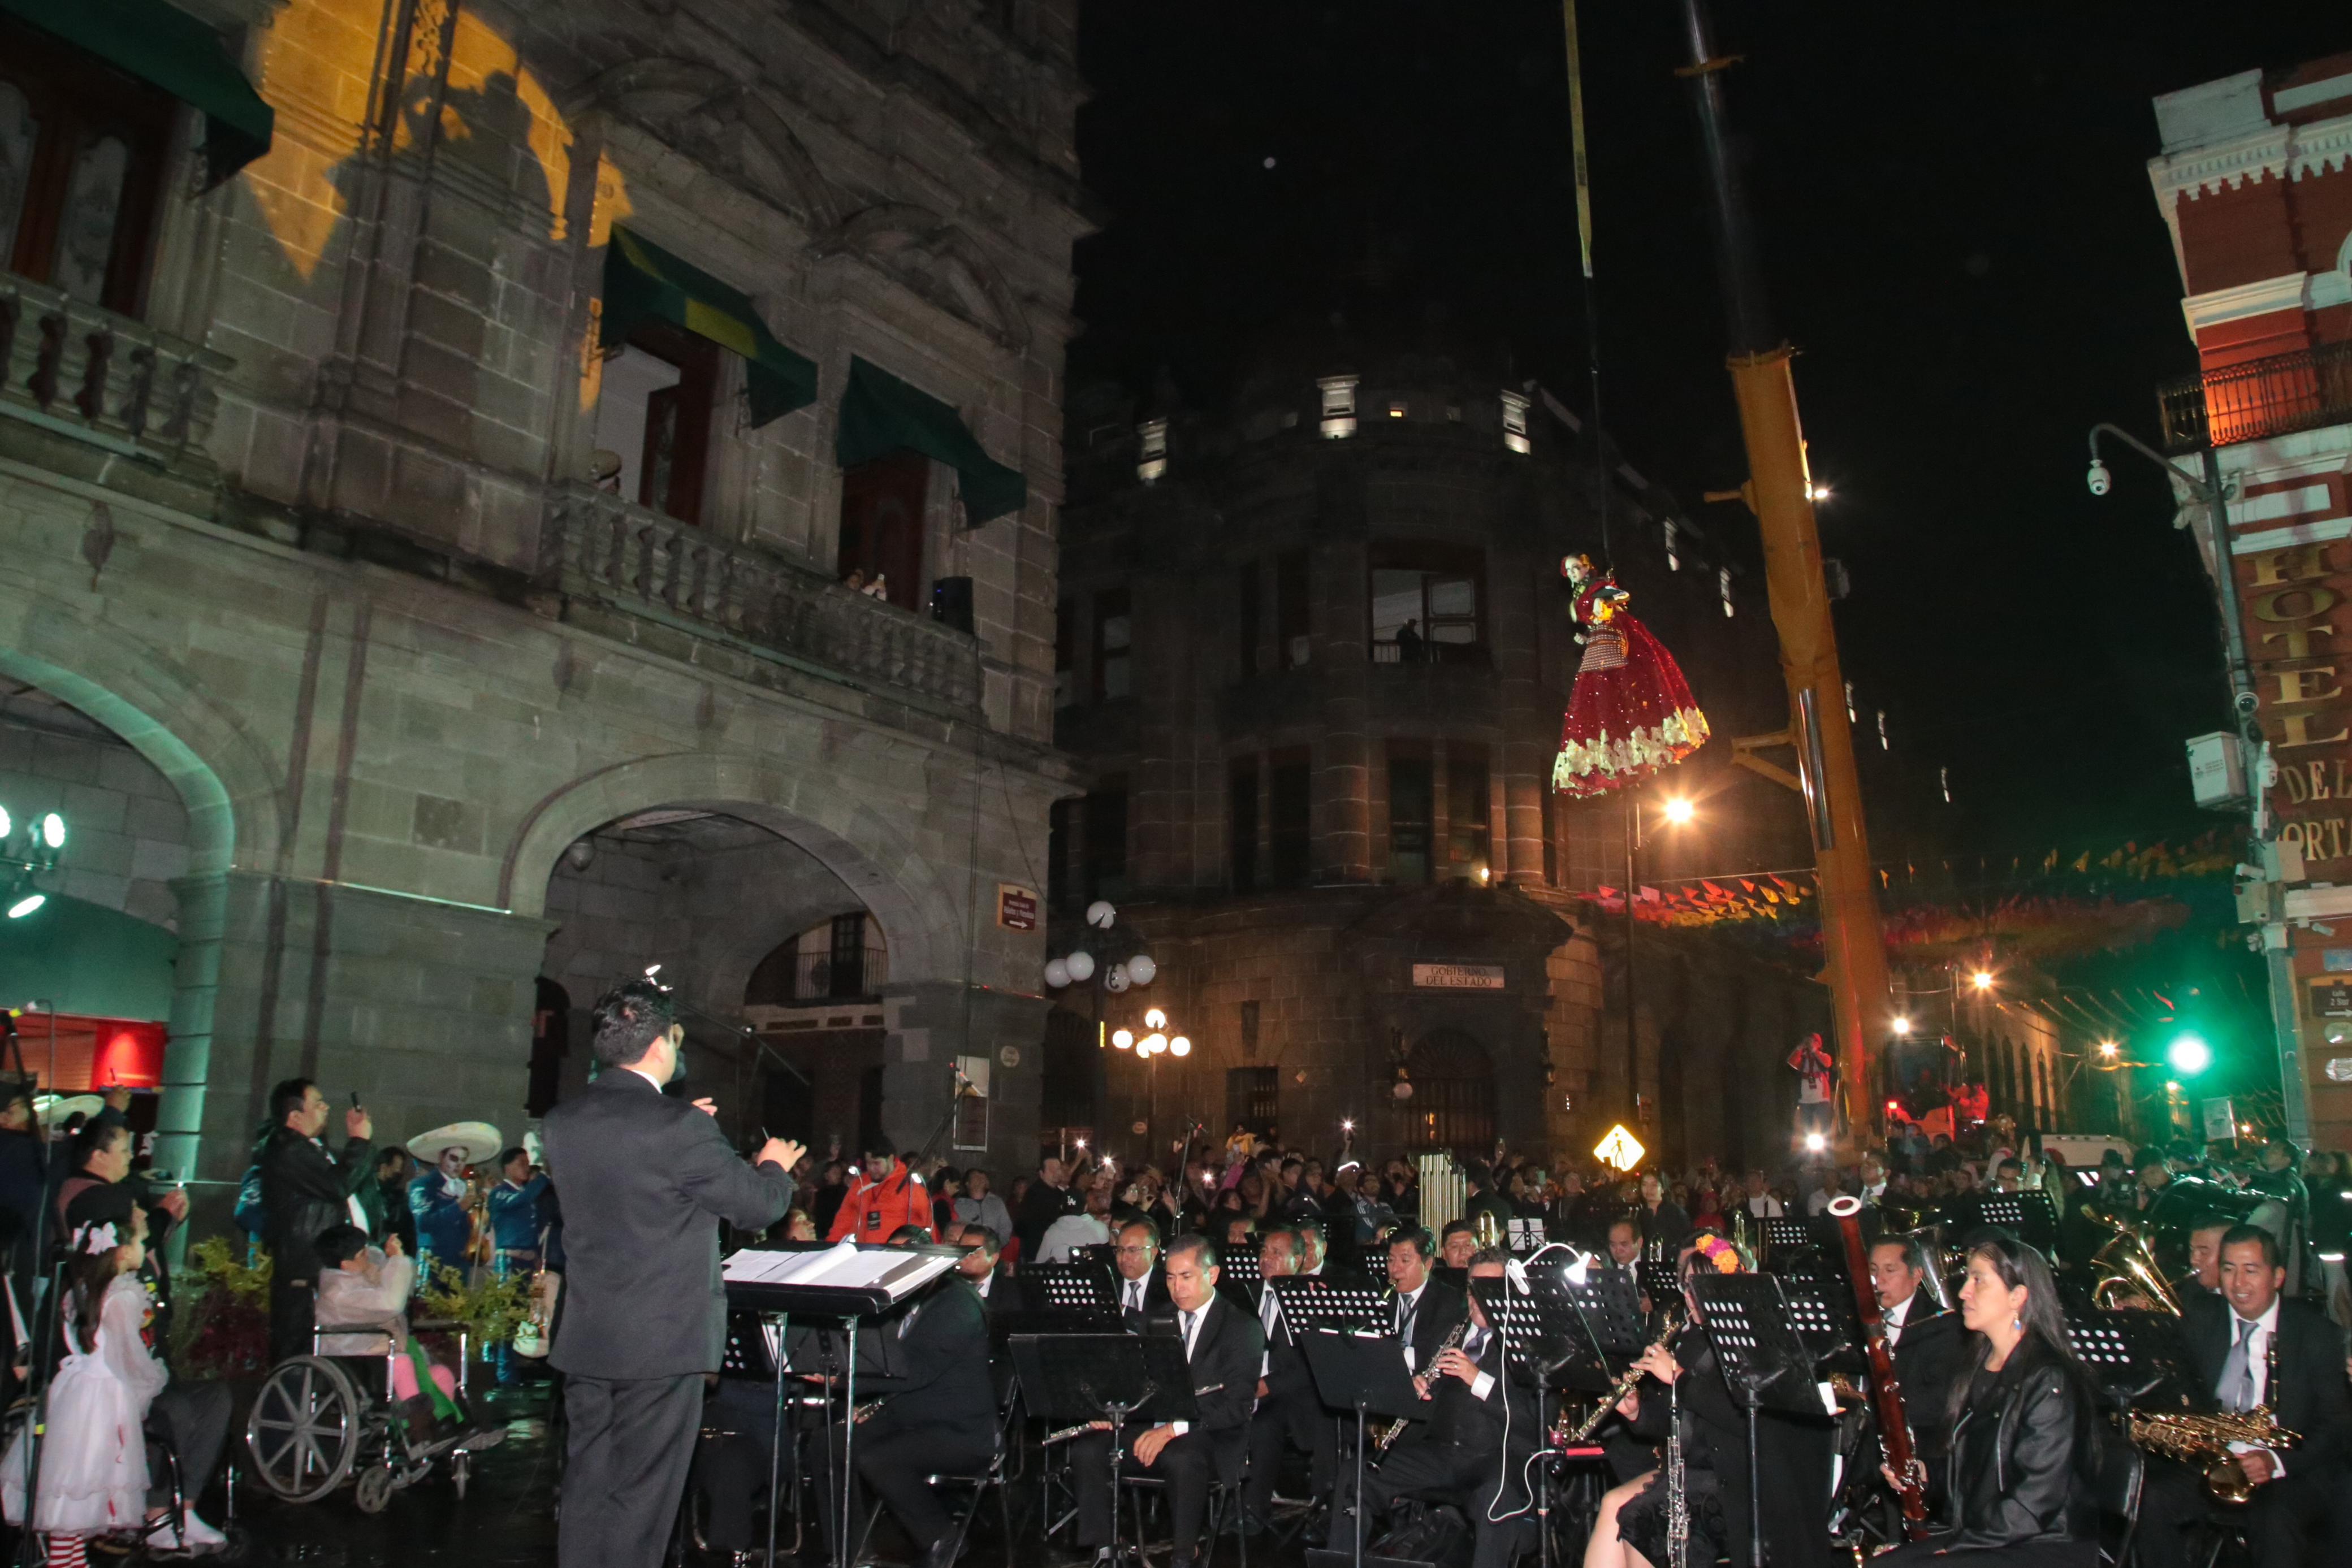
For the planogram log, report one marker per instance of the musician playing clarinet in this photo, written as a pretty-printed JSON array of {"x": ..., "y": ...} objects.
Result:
[
  {"x": 2024, "y": 1445},
  {"x": 1685, "y": 1395}
]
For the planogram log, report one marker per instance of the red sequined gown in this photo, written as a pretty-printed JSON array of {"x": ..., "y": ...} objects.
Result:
[{"x": 1632, "y": 713}]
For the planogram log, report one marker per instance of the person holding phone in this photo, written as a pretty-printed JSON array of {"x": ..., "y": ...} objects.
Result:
[{"x": 305, "y": 1188}]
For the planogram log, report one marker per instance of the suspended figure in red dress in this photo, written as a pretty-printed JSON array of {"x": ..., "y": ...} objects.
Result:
[{"x": 1632, "y": 713}]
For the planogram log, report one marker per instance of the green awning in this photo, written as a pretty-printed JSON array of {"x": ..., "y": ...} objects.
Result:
[
  {"x": 881, "y": 414},
  {"x": 159, "y": 42},
  {"x": 83, "y": 957},
  {"x": 641, "y": 280}
]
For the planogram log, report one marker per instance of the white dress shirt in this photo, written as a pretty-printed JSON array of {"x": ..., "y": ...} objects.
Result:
[
  {"x": 1892, "y": 1317},
  {"x": 1189, "y": 1325},
  {"x": 1407, "y": 1313},
  {"x": 1133, "y": 1292},
  {"x": 2258, "y": 1363}
]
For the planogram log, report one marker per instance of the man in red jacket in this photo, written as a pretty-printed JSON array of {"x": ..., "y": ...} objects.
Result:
[{"x": 884, "y": 1195}]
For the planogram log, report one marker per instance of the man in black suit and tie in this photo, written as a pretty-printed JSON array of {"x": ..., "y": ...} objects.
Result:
[
  {"x": 2246, "y": 1347},
  {"x": 1930, "y": 1345},
  {"x": 644, "y": 1309},
  {"x": 939, "y": 1419},
  {"x": 1135, "y": 1257},
  {"x": 1288, "y": 1409},
  {"x": 1421, "y": 1310},
  {"x": 1224, "y": 1346},
  {"x": 1484, "y": 1428}
]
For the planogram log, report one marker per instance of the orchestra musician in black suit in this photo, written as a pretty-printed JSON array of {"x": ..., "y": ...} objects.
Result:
[
  {"x": 1135, "y": 1274},
  {"x": 645, "y": 1314},
  {"x": 939, "y": 1417},
  {"x": 1422, "y": 1309},
  {"x": 1483, "y": 1426},
  {"x": 1288, "y": 1408},
  {"x": 2251, "y": 1346},
  {"x": 1929, "y": 1345},
  {"x": 1224, "y": 1346}
]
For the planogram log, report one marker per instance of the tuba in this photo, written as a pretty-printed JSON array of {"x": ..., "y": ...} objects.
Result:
[{"x": 2125, "y": 1266}]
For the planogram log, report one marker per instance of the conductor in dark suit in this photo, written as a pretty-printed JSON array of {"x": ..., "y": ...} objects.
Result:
[
  {"x": 650, "y": 1177},
  {"x": 1223, "y": 1345},
  {"x": 941, "y": 1416},
  {"x": 2249, "y": 1346}
]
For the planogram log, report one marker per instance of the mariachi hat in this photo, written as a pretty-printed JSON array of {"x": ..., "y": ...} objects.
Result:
[{"x": 474, "y": 1141}]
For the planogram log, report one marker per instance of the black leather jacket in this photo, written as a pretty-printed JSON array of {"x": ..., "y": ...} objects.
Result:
[{"x": 2018, "y": 1468}]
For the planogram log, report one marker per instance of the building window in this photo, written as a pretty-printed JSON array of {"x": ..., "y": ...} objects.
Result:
[
  {"x": 1410, "y": 816},
  {"x": 882, "y": 525},
  {"x": 1073, "y": 1077},
  {"x": 1241, "y": 825},
  {"x": 972, "y": 1110},
  {"x": 1453, "y": 1104},
  {"x": 1468, "y": 842},
  {"x": 1057, "y": 854},
  {"x": 653, "y": 412},
  {"x": 1293, "y": 838},
  {"x": 1107, "y": 839},
  {"x": 1291, "y": 636},
  {"x": 1114, "y": 641},
  {"x": 1151, "y": 450},
  {"x": 1338, "y": 406},
  {"x": 1515, "y": 422},
  {"x": 1396, "y": 411},
  {"x": 82, "y": 155},
  {"x": 1253, "y": 1097},
  {"x": 1245, "y": 617},
  {"x": 1065, "y": 650},
  {"x": 1425, "y": 605}
]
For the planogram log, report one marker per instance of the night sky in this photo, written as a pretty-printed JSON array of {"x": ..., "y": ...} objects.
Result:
[{"x": 1957, "y": 233}]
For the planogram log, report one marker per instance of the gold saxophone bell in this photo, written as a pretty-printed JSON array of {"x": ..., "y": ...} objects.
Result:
[
  {"x": 1488, "y": 1230},
  {"x": 2204, "y": 1440}
]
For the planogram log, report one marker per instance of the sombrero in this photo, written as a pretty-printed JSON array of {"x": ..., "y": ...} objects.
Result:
[
  {"x": 52, "y": 1109},
  {"x": 474, "y": 1141}
]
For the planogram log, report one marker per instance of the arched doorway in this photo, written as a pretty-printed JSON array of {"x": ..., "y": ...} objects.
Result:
[
  {"x": 1453, "y": 1104},
  {"x": 815, "y": 999}
]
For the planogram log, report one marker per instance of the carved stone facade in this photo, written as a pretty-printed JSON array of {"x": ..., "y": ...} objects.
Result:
[{"x": 317, "y": 531}]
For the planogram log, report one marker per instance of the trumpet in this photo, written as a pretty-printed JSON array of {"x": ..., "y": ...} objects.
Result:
[{"x": 1619, "y": 1389}]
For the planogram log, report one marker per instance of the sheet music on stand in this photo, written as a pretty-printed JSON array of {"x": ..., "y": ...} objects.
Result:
[
  {"x": 2030, "y": 1217},
  {"x": 1316, "y": 1302},
  {"x": 2133, "y": 1357},
  {"x": 1526, "y": 1234}
]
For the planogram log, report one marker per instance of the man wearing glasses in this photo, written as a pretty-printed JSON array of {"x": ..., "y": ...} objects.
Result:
[{"x": 1142, "y": 1293}]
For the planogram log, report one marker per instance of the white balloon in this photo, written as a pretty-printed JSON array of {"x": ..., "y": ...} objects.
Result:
[
  {"x": 1141, "y": 968},
  {"x": 1057, "y": 974},
  {"x": 1116, "y": 979},
  {"x": 1081, "y": 964},
  {"x": 1101, "y": 912}
]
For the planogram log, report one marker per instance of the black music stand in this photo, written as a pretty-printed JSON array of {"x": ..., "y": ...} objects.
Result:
[
  {"x": 1824, "y": 1313},
  {"x": 2029, "y": 1216},
  {"x": 2129, "y": 1355},
  {"x": 1364, "y": 1373},
  {"x": 1238, "y": 1277},
  {"x": 1110, "y": 1378},
  {"x": 1086, "y": 1288},
  {"x": 1764, "y": 1363},
  {"x": 1658, "y": 1279},
  {"x": 1785, "y": 1240}
]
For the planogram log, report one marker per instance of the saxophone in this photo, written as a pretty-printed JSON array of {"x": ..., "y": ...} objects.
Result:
[
  {"x": 2204, "y": 1439},
  {"x": 1388, "y": 1435},
  {"x": 1619, "y": 1389}
]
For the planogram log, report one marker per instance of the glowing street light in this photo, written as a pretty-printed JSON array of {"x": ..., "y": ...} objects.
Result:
[
  {"x": 1122, "y": 1037},
  {"x": 1679, "y": 811},
  {"x": 1982, "y": 979},
  {"x": 1180, "y": 1046},
  {"x": 2107, "y": 1048},
  {"x": 1902, "y": 1026},
  {"x": 2188, "y": 1054}
]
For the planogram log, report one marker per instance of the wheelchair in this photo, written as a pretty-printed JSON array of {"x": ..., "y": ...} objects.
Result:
[{"x": 311, "y": 1429}]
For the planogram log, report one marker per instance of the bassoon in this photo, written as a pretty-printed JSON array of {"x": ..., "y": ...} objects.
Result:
[{"x": 1885, "y": 1394}]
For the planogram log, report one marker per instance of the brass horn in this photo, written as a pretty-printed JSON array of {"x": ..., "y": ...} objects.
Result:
[{"x": 2126, "y": 1267}]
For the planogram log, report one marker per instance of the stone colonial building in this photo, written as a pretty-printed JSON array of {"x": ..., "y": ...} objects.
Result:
[
  {"x": 435, "y": 437},
  {"x": 1316, "y": 651}
]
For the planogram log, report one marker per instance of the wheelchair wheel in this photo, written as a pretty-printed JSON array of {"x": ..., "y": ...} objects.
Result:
[
  {"x": 373, "y": 1489},
  {"x": 305, "y": 1428}
]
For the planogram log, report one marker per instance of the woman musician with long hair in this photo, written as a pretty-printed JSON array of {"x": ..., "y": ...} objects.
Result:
[
  {"x": 1694, "y": 1509},
  {"x": 2024, "y": 1440}
]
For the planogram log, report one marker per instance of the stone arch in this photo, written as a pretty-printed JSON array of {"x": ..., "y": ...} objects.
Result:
[
  {"x": 853, "y": 839},
  {"x": 696, "y": 107},
  {"x": 220, "y": 768},
  {"x": 939, "y": 261}
]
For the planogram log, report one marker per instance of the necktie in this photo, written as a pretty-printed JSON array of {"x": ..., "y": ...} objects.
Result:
[
  {"x": 1135, "y": 1295},
  {"x": 1475, "y": 1345},
  {"x": 1404, "y": 1318},
  {"x": 2237, "y": 1388},
  {"x": 1191, "y": 1330}
]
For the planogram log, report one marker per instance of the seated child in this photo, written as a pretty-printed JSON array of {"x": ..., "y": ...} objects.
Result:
[
  {"x": 366, "y": 1289},
  {"x": 94, "y": 1455}
]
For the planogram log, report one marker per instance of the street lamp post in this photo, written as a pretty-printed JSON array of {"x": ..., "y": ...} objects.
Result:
[
  {"x": 30, "y": 849},
  {"x": 2211, "y": 523},
  {"x": 1677, "y": 812}
]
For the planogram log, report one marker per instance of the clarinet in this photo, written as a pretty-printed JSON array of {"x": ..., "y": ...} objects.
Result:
[
  {"x": 1677, "y": 1494},
  {"x": 1387, "y": 1435}
]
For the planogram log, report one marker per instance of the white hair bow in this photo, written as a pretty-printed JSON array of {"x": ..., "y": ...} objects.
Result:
[{"x": 97, "y": 1238}]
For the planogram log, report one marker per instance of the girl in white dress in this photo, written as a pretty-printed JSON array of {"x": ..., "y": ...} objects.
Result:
[{"x": 93, "y": 1461}]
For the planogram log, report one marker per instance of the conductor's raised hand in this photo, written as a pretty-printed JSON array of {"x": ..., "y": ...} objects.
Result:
[
  {"x": 781, "y": 1152},
  {"x": 358, "y": 1123}
]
